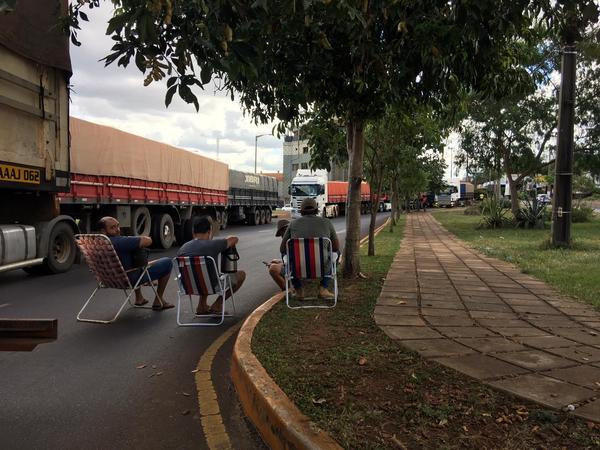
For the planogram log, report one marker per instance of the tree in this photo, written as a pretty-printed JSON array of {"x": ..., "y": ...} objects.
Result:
[{"x": 349, "y": 59}]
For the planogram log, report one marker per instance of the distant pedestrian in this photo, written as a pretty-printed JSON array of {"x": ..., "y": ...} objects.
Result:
[
  {"x": 311, "y": 226},
  {"x": 423, "y": 201},
  {"x": 126, "y": 247}
]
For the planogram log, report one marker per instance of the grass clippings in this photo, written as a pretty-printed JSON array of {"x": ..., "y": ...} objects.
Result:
[{"x": 367, "y": 392}]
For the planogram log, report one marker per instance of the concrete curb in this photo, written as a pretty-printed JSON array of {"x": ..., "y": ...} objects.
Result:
[
  {"x": 279, "y": 422},
  {"x": 277, "y": 419}
]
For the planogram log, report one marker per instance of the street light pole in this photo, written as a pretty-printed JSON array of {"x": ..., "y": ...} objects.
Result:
[{"x": 256, "y": 147}]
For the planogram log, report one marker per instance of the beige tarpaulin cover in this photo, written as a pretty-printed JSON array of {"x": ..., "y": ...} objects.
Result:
[{"x": 101, "y": 150}]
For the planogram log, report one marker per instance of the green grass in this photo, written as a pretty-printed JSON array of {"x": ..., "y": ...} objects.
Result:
[{"x": 575, "y": 271}]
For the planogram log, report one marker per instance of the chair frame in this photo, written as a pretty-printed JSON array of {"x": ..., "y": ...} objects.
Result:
[
  {"x": 128, "y": 292},
  {"x": 289, "y": 277},
  {"x": 224, "y": 284}
]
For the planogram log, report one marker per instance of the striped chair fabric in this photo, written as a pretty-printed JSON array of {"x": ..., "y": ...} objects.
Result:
[
  {"x": 103, "y": 261},
  {"x": 309, "y": 258},
  {"x": 198, "y": 275}
]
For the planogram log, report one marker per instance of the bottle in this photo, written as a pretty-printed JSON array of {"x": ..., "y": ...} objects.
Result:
[{"x": 229, "y": 259}]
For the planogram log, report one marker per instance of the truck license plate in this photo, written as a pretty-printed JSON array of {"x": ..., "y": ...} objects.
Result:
[{"x": 19, "y": 174}]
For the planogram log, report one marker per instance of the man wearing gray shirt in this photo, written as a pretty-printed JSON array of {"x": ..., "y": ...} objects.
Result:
[
  {"x": 203, "y": 244},
  {"x": 311, "y": 226}
]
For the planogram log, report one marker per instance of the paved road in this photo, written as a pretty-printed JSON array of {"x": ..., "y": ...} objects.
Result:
[{"x": 85, "y": 390}]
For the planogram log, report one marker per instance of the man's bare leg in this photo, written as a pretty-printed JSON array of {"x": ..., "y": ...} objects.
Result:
[
  {"x": 202, "y": 305},
  {"x": 159, "y": 301},
  {"x": 139, "y": 298},
  {"x": 275, "y": 272},
  {"x": 218, "y": 304}
]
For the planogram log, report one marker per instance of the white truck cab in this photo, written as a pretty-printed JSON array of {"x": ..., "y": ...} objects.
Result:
[{"x": 309, "y": 184}]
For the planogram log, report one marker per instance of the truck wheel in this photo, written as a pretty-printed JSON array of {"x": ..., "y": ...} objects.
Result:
[
  {"x": 324, "y": 212},
  {"x": 218, "y": 218},
  {"x": 140, "y": 222},
  {"x": 61, "y": 249},
  {"x": 263, "y": 217},
  {"x": 269, "y": 215},
  {"x": 163, "y": 231}
]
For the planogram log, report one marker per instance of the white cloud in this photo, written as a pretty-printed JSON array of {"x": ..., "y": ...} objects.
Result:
[{"x": 116, "y": 97}]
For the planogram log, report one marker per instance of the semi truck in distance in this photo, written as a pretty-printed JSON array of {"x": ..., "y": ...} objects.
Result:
[
  {"x": 457, "y": 193},
  {"x": 331, "y": 196}
]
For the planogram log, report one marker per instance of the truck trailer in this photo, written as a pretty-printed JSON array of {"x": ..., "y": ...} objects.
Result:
[
  {"x": 157, "y": 190},
  {"x": 35, "y": 69},
  {"x": 331, "y": 196}
]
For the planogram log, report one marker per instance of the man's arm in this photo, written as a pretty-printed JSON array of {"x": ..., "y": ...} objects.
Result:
[
  {"x": 145, "y": 241},
  {"x": 232, "y": 241},
  {"x": 286, "y": 236}
]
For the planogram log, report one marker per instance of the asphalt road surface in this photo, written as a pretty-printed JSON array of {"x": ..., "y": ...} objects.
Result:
[{"x": 86, "y": 390}]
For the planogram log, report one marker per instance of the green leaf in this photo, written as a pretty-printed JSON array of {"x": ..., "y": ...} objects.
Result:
[
  {"x": 83, "y": 16},
  {"x": 140, "y": 61},
  {"x": 171, "y": 81},
  {"x": 170, "y": 92},
  {"x": 205, "y": 74}
]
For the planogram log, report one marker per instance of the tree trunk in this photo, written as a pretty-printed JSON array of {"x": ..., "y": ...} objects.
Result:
[
  {"x": 374, "y": 209},
  {"x": 355, "y": 143},
  {"x": 514, "y": 195}
]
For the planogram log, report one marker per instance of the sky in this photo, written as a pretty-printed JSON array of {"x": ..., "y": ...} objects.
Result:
[{"x": 117, "y": 97}]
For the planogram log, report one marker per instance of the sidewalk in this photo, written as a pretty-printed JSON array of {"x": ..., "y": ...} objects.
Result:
[{"x": 483, "y": 317}]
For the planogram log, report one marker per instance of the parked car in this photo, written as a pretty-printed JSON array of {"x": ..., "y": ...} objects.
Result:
[{"x": 287, "y": 207}]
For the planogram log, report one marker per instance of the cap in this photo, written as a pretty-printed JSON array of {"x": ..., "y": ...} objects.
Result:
[
  {"x": 308, "y": 206},
  {"x": 282, "y": 224}
]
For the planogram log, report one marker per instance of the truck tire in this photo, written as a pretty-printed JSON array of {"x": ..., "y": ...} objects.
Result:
[
  {"x": 269, "y": 215},
  {"x": 61, "y": 249},
  {"x": 141, "y": 222},
  {"x": 256, "y": 220},
  {"x": 263, "y": 217},
  {"x": 163, "y": 231}
]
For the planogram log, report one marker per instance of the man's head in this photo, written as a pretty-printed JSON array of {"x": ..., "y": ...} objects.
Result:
[
  {"x": 308, "y": 207},
  {"x": 282, "y": 225},
  {"x": 109, "y": 226},
  {"x": 203, "y": 227}
]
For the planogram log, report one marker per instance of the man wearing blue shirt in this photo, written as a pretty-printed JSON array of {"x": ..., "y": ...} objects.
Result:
[{"x": 159, "y": 269}]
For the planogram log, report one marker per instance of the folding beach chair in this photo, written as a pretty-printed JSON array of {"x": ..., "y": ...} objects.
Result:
[
  {"x": 198, "y": 275},
  {"x": 310, "y": 259},
  {"x": 103, "y": 261}
]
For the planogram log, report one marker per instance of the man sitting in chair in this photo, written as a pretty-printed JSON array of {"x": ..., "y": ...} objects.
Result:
[
  {"x": 159, "y": 269},
  {"x": 311, "y": 226},
  {"x": 203, "y": 244}
]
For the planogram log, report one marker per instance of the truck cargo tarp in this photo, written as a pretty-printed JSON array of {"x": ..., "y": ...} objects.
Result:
[
  {"x": 101, "y": 150},
  {"x": 32, "y": 31}
]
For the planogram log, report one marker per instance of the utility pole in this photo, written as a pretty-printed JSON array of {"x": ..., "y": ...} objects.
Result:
[
  {"x": 256, "y": 147},
  {"x": 563, "y": 177},
  {"x": 218, "y": 140}
]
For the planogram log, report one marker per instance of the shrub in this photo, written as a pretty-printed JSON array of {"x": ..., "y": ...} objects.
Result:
[
  {"x": 494, "y": 214},
  {"x": 533, "y": 215},
  {"x": 582, "y": 213}
]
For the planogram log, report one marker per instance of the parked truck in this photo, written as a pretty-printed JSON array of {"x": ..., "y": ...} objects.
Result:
[
  {"x": 155, "y": 189},
  {"x": 457, "y": 193},
  {"x": 331, "y": 196},
  {"x": 34, "y": 139}
]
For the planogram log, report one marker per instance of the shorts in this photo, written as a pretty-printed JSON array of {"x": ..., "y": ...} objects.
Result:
[{"x": 158, "y": 269}]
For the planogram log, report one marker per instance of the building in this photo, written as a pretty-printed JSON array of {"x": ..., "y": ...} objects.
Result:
[{"x": 296, "y": 155}]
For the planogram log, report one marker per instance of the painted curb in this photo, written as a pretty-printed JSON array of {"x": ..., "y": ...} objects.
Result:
[{"x": 278, "y": 420}]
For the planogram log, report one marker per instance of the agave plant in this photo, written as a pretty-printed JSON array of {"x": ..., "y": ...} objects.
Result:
[
  {"x": 532, "y": 215},
  {"x": 494, "y": 214}
]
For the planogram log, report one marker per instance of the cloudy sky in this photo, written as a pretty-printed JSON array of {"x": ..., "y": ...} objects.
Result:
[{"x": 116, "y": 97}]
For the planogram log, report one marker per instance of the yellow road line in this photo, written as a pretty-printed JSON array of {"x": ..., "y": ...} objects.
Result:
[{"x": 210, "y": 414}]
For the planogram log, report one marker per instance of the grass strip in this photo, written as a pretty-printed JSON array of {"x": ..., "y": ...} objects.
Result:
[
  {"x": 367, "y": 392},
  {"x": 574, "y": 272}
]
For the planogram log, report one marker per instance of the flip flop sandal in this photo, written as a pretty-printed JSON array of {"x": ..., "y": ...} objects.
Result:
[
  {"x": 162, "y": 307},
  {"x": 141, "y": 304}
]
